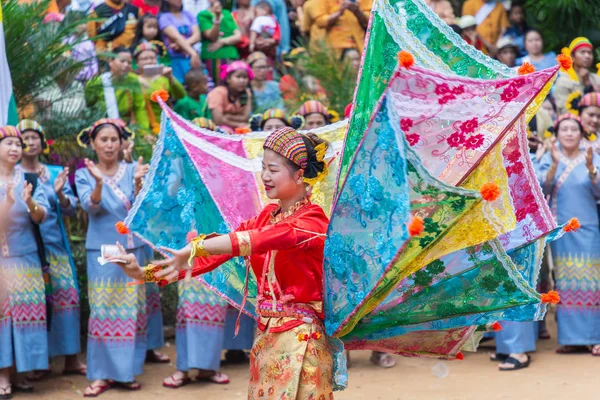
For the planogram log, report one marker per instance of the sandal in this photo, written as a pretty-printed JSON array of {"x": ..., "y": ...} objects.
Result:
[
  {"x": 95, "y": 391},
  {"x": 129, "y": 385},
  {"x": 498, "y": 357},
  {"x": 383, "y": 360},
  {"x": 6, "y": 392},
  {"x": 544, "y": 335},
  {"x": 82, "y": 370},
  {"x": 572, "y": 350},
  {"x": 217, "y": 377},
  {"x": 24, "y": 387},
  {"x": 36, "y": 376},
  {"x": 517, "y": 364},
  {"x": 157, "y": 357},
  {"x": 595, "y": 350},
  {"x": 173, "y": 383}
]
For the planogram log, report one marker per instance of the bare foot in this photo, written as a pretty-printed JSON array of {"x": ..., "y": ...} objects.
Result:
[{"x": 383, "y": 360}]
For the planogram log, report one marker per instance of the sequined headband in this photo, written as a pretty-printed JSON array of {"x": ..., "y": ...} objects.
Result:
[
  {"x": 289, "y": 144},
  {"x": 565, "y": 117},
  {"x": 313, "y": 107},
  {"x": 84, "y": 137}
]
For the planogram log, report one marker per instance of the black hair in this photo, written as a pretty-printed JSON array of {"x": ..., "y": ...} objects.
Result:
[
  {"x": 457, "y": 29},
  {"x": 550, "y": 98},
  {"x": 530, "y": 30},
  {"x": 264, "y": 4},
  {"x": 86, "y": 136},
  {"x": 166, "y": 7},
  {"x": 121, "y": 49},
  {"x": 193, "y": 75},
  {"x": 242, "y": 97},
  {"x": 139, "y": 30},
  {"x": 258, "y": 124},
  {"x": 313, "y": 167}
]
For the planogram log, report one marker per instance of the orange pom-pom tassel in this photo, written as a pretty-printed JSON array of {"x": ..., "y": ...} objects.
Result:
[
  {"x": 122, "y": 228},
  {"x": 416, "y": 226},
  {"x": 572, "y": 226},
  {"x": 496, "y": 327},
  {"x": 551, "y": 297},
  {"x": 490, "y": 191},
  {"x": 564, "y": 61},
  {"x": 460, "y": 356},
  {"x": 405, "y": 59},
  {"x": 159, "y": 94},
  {"x": 242, "y": 131},
  {"x": 526, "y": 68}
]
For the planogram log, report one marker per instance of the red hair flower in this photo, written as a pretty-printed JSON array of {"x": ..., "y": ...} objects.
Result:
[{"x": 490, "y": 191}]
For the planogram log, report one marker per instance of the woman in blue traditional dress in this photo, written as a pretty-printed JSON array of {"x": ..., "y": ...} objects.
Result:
[
  {"x": 63, "y": 337},
  {"x": 117, "y": 341},
  {"x": 23, "y": 330},
  {"x": 199, "y": 335},
  {"x": 569, "y": 174}
]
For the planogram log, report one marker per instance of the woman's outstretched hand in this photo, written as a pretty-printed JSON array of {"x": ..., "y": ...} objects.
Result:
[{"x": 171, "y": 266}]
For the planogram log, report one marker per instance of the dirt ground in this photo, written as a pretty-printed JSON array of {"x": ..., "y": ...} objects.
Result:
[{"x": 550, "y": 376}]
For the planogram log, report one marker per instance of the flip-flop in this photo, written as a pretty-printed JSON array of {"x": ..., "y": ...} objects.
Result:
[
  {"x": 23, "y": 387},
  {"x": 78, "y": 371},
  {"x": 177, "y": 383},
  {"x": 157, "y": 358},
  {"x": 544, "y": 335},
  {"x": 517, "y": 364},
  {"x": 597, "y": 352},
  {"x": 36, "y": 376},
  {"x": 218, "y": 378},
  {"x": 5, "y": 395},
  {"x": 572, "y": 350},
  {"x": 498, "y": 357},
  {"x": 98, "y": 390},
  {"x": 132, "y": 386}
]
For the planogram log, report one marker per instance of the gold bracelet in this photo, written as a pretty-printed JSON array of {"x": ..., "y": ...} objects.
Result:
[
  {"x": 35, "y": 208},
  {"x": 198, "y": 249}
]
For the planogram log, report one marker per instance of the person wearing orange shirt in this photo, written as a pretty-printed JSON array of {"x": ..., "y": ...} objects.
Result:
[
  {"x": 345, "y": 22},
  {"x": 490, "y": 17},
  {"x": 316, "y": 34}
]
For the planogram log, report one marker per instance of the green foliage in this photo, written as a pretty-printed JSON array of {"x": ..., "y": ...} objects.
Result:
[{"x": 560, "y": 21}]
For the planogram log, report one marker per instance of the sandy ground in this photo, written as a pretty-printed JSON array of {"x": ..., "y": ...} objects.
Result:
[{"x": 550, "y": 376}]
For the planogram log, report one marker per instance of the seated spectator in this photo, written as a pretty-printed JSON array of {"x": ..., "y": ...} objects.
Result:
[
  {"x": 243, "y": 16},
  {"x": 490, "y": 18},
  {"x": 280, "y": 11},
  {"x": 154, "y": 77},
  {"x": 346, "y": 22},
  {"x": 518, "y": 27},
  {"x": 264, "y": 32},
  {"x": 468, "y": 29},
  {"x": 147, "y": 31},
  {"x": 231, "y": 103},
  {"x": 273, "y": 119},
  {"x": 84, "y": 51},
  {"x": 443, "y": 9},
  {"x": 220, "y": 35},
  {"x": 587, "y": 107},
  {"x": 506, "y": 51},
  {"x": 180, "y": 31},
  {"x": 578, "y": 78},
  {"x": 118, "y": 91},
  {"x": 115, "y": 21},
  {"x": 534, "y": 45},
  {"x": 151, "y": 7},
  {"x": 310, "y": 28},
  {"x": 296, "y": 74},
  {"x": 194, "y": 105},
  {"x": 315, "y": 115},
  {"x": 266, "y": 92}
]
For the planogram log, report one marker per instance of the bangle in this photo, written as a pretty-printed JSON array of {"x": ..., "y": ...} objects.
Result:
[
  {"x": 35, "y": 208},
  {"x": 594, "y": 172},
  {"x": 198, "y": 249}
]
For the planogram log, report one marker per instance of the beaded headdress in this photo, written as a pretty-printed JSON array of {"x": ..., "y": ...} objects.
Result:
[
  {"x": 289, "y": 144},
  {"x": 31, "y": 125},
  {"x": 85, "y": 136}
]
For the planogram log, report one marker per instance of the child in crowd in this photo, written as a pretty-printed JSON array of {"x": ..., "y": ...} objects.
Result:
[
  {"x": 518, "y": 28},
  {"x": 194, "y": 105},
  {"x": 264, "y": 31},
  {"x": 231, "y": 103},
  {"x": 468, "y": 26},
  {"x": 146, "y": 31}
]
